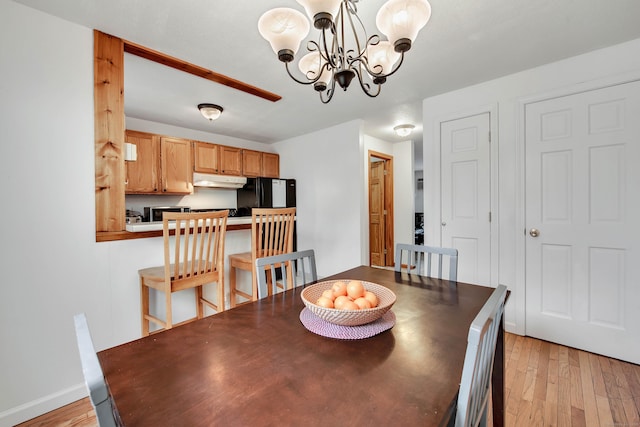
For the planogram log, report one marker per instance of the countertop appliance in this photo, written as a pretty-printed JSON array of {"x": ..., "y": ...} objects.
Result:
[
  {"x": 154, "y": 213},
  {"x": 133, "y": 217},
  {"x": 266, "y": 193}
]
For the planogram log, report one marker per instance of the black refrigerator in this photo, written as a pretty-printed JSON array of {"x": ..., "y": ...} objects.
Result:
[{"x": 266, "y": 193}]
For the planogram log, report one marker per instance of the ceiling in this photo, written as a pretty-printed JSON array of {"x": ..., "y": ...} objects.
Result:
[{"x": 465, "y": 42}]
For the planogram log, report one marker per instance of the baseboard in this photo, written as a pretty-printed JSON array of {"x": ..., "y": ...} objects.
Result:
[
  {"x": 510, "y": 327},
  {"x": 41, "y": 406}
]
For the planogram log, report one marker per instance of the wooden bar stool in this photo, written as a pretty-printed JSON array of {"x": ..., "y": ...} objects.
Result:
[
  {"x": 195, "y": 259},
  {"x": 271, "y": 234}
]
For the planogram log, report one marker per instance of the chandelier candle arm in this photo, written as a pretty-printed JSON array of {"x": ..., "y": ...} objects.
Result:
[{"x": 332, "y": 60}]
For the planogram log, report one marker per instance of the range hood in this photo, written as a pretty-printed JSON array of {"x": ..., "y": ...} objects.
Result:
[{"x": 218, "y": 181}]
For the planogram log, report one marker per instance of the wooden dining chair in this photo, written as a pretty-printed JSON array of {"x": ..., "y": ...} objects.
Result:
[
  {"x": 194, "y": 258},
  {"x": 93, "y": 376},
  {"x": 419, "y": 260},
  {"x": 271, "y": 234},
  {"x": 473, "y": 398},
  {"x": 293, "y": 269}
]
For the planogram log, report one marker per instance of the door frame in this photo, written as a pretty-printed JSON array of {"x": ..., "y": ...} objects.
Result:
[
  {"x": 388, "y": 205},
  {"x": 520, "y": 173},
  {"x": 433, "y": 184}
]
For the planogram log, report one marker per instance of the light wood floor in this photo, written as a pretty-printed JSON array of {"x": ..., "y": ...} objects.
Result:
[{"x": 546, "y": 385}]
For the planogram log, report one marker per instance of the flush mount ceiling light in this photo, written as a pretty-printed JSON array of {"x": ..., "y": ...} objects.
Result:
[
  {"x": 403, "y": 130},
  {"x": 344, "y": 50},
  {"x": 210, "y": 111}
]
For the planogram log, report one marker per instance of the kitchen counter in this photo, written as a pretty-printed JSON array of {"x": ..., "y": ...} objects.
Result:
[
  {"x": 157, "y": 225},
  {"x": 142, "y": 230}
]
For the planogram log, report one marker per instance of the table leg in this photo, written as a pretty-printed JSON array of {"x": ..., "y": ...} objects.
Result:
[{"x": 497, "y": 379}]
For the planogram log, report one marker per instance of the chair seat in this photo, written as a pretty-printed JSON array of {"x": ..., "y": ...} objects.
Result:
[
  {"x": 154, "y": 277},
  {"x": 241, "y": 260}
]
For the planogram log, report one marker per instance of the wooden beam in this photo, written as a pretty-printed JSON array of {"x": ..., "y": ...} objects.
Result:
[
  {"x": 108, "y": 71},
  {"x": 178, "y": 64}
]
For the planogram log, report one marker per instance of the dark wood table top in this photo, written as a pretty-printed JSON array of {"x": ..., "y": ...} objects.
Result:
[{"x": 257, "y": 365}]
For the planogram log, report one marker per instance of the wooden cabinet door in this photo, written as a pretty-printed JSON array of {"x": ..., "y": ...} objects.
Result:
[
  {"x": 251, "y": 163},
  {"x": 175, "y": 163},
  {"x": 270, "y": 165},
  {"x": 143, "y": 174},
  {"x": 205, "y": 157},
  {"x": 230, "y": 160}
]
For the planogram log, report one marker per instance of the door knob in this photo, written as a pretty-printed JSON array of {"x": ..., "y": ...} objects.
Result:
[
  {"x": 444, "y": 223},
  {"x": 534, "y": 232}
]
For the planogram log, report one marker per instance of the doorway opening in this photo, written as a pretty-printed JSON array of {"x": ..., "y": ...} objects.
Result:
[{"x": 381, "y": 238}]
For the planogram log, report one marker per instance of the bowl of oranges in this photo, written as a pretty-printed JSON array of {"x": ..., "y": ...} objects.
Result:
[{"x": 348, "y": 302}]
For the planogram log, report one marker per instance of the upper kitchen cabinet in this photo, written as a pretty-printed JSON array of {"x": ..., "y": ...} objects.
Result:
[
  {"x": 251, "y": 163},
  {"x": 175, "y": 166},
  {"x": 230, "y": 160},
  {"x": 257, "y": 163},
  {"x": 163, "y": 165},
  {"x": 270, "y": 165},
  {"x": 143, "y": 174},
  {"x": 206, "y": 157}
]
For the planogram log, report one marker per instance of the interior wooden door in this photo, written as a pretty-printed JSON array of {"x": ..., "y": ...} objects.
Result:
[
  {"x": 582, "y": 206},
  {"x": 376, "y": 213},
  {"x": 466, "y": 195}
]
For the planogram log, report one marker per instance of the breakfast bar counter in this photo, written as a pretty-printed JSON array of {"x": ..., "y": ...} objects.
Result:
[{"x": 143, "y": 230}]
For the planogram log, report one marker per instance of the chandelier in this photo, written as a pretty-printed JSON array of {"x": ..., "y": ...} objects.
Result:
[{"x": 344, "y": 51}]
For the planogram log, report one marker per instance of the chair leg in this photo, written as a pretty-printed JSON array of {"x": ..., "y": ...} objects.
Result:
[
  {"x": 220, "y": 285},
  {"x": 232, "y": 286},
  {"x": 199, "y": 303},
  {"x": 254, "y": 285},
  {"x": 167, "y": 304},
  {"x": 144, "y": 307}
]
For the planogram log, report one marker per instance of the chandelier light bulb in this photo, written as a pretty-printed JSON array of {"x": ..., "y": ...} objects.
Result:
[
  {"x": 401, "y": 20},
  {"x": 284, "y": 29}
]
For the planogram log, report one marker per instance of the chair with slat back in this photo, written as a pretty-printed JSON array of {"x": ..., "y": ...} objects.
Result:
[
  {"x": 271, "y": 234},
  {"x": 419, "y": 260},
  {"x": 193, "y": 259},
  {"x": 93, "y": 376},
  {"x": 473, "y": 397},
  {"x": 294, "y": 269}
]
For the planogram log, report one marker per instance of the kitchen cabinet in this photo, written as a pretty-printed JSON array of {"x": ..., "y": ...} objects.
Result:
[
  {"x": 270, "y": 165},
  {"x": 251, "y": 163},
  {"x": 143, "y": 174},
  {"x": 163, "y": 165},
  {"x": 230, "y": 160},
  {"x": 206, "y": 157},
  {"x": 176, "y": 171},
  {"x": 257, "y": 163}
]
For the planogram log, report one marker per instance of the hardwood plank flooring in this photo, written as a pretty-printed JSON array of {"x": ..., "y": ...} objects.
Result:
[{"x": 546, "y": 384}]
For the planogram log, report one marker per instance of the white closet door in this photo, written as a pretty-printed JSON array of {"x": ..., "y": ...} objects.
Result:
[
  {"x": 466, "y": 195},
  {"x": 582, "y": 212}
]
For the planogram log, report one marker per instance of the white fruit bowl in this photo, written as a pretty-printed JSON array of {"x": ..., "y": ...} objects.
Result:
[{"x": 385, "y": 296}]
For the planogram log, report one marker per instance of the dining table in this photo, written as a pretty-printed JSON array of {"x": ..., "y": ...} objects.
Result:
[{"x": 258, "y": 364}]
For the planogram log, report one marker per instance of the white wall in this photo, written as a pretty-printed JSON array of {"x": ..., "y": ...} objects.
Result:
[
  {"x": 612, "y": 65},
  {"x": 403, "y": 190},
  {"x": 328, "y": 170}
]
